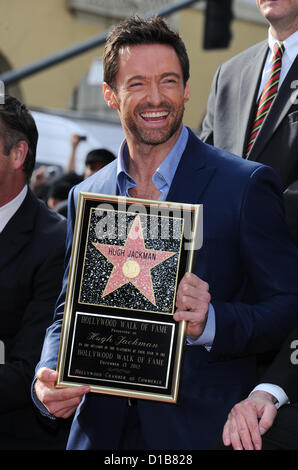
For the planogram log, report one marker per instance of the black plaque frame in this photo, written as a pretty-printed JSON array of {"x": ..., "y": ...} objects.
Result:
[{"x": 123, "y": 340}]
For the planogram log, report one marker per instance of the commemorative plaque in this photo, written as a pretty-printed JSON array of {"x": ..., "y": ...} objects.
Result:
[{"x": 128, "y": 257}]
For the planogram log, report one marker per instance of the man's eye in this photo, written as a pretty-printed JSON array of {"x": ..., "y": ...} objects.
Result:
[
  {"x": 169, "y": 81},
  {"x": 136, "y": 84}
]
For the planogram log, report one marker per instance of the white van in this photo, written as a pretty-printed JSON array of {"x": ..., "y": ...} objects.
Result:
[{"x": 56, "y": 129}]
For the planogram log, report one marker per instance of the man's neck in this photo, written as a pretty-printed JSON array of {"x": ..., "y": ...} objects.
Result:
[
  {"x": 283, "y": 30},
  {"x": 142, "y": 164},
  {"x": 144, "y": 159},
  {"x": 7, "y": 196}
]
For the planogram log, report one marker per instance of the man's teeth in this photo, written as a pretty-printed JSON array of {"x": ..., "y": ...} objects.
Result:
[{"x": 154, "y": 114}]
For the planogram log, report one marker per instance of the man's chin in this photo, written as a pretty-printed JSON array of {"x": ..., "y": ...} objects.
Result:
[{"x": 157, "y": 137}]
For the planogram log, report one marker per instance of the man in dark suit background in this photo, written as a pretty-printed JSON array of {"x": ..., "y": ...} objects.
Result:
[
  {"x": 243, "y": 295},
  {"x": 235, "y": 91},
  {"x": 32, "y": 240}
]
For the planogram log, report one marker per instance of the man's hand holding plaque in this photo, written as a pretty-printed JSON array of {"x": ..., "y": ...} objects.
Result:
[
  {"x": 59, "y": 402},
  {"x": 192, "y": 302}
]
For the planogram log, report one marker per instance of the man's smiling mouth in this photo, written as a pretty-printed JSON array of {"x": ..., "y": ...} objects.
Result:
[{"x": 155, "y": 115}]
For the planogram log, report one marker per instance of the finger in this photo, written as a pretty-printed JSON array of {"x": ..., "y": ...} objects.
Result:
[
  {"x": 197, "y": 317},
  {"x": 231, "y": 436},
  {"x": 226, "y": 435},
  {"x": 193, "y": 329},
  {"x": 65, "y": 408},
  {"x": 193, "y": 280},
  {"x": 49, "y": 395},
  {"x": 193, "y": 283},
  {"x": 247, "y": 425},
  {"x": 254, "y": 431},
  {"x": 67, "y": 393},
  {"x": 230, "y": 433},
  {"x": 240, "y": 435},
  {"x": 267, "y": 418},
  {"x": 47, "y": 375},
  {"x": 61, "y": 399},
  {"x": 250, "y": 436},
  {"x": 199, "y": 303},
  {"x": 190, "y": 298}
]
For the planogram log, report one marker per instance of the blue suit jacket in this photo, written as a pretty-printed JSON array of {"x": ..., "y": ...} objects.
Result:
[{"x": 251, "y": 266}]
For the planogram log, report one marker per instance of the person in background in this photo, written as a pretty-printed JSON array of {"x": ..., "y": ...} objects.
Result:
[
  {"x": 54, "y": 188},
  {"x": 32, "y": 248},
  {"x": 252, "y": 109},
  {"x": 95, "y": 159},
  {"x": 58, "y": 190}
]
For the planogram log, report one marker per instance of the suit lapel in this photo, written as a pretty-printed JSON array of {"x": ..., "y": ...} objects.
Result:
[
  {"x": 17, "y": 232},
  {"x": 279, "y": 109},
  {"x": 192, "y": 175},
  {"x": 250, "y": 78}
]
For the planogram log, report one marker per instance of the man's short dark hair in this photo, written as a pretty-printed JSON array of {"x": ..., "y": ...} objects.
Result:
[
  {"x": 16, "y": 124},
  {"x": 136, "y": 31},
  {"x": 99, "y": 156}
]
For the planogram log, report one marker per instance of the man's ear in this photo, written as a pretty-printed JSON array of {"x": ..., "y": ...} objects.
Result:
[
  {"x": 18, "y": 154},
  {"x": 186, "y": 92},
  {"x": 109, "y": 96}
]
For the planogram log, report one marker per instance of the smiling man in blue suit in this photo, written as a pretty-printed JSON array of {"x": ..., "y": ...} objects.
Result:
[{"x": 242, "y": 298}]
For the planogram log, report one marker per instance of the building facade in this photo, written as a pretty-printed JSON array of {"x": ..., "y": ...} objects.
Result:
[{"x": 34, "y": 29}]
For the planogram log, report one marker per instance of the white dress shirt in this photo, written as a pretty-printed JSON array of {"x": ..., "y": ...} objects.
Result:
[
  {"x": 276, "y": 391},
  {"x": 8, "y": 210},
  {"x": 289, "y": 55}
]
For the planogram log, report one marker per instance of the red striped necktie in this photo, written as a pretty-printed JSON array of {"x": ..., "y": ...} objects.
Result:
[{"x": 268, "y": 94}]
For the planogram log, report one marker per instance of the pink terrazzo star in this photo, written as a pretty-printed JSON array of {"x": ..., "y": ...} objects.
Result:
[{"x": 132, "y": 262}]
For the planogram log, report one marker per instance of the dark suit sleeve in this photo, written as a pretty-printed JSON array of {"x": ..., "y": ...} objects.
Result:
[
  {"x": 17, "y": 372},
  {"x": 284, "y": 369},
  {"x": 266, "y": 314},
  {"x": 50, "y": 348},
  {"x": 207, "y": 129}
]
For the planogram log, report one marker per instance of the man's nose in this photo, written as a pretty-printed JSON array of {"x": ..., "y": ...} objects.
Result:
[{"x": 154, "y": 95}]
